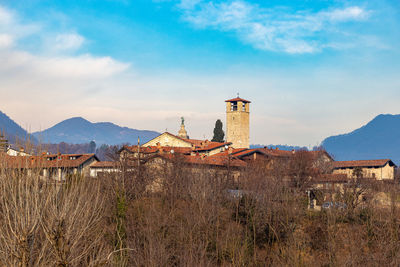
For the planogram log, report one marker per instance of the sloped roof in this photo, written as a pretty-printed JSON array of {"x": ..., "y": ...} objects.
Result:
[
  {"x": 106, "y": 164},
  {"x": 47, "y": 161},
  {"x": 237, "y": 99},
  {"x": 155, "y": 149},
  {"x": 362, "y": 163},
  {"x": 246, "y": 152},
  {"x": 277, "y": 152},
  {"x": 215, "y": 160},
  {"x": 209, "y": 145}
]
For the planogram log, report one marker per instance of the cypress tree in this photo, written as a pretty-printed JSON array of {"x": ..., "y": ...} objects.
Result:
[{"x": 218, "y": 132}]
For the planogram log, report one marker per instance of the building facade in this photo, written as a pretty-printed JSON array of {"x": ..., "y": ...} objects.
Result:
[
  {"x": 238, "y": 122},
  {"x": 381, "y": 169}
]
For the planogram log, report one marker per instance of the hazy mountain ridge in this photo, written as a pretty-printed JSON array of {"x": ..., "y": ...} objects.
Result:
[
  {"x": 79, "y": 130},
  {"x": 280, "y": 147},
  {"x": 13, "y": 131},
  {"x": 378, "y": 139}
]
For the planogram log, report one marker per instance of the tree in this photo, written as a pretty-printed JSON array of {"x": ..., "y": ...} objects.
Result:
[
  {"x": 92, "y": 147},
  {"x": 218, "y": 132}
]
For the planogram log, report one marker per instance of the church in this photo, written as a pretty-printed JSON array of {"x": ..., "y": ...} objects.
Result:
[{"x": 237, "y": 131}]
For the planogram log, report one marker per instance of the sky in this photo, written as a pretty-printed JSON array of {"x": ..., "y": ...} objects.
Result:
[{"x": 310, "y": 68}]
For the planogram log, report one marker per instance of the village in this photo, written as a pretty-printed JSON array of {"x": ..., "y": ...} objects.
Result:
[{"x": 233, "y": 156}]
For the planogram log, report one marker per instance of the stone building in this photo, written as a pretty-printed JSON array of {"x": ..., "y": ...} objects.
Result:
[
  {"x": 238, "y": 122},
  {"x": 381, "y": 169}
]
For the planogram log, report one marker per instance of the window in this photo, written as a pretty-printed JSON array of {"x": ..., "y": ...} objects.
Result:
[
  {"x": 244, "y": 107},
  {"x": 233, "y": 106}
]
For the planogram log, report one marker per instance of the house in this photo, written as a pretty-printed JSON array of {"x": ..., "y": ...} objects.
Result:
[
  {"x": 381, "y": 169},
  {"x": 57, "y": 166}
]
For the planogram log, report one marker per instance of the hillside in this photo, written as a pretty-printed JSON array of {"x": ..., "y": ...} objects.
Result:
[
  {"x": 78, "y": 130},
  {"x": 13, "y": 131},
  {"x": 379, "y": 139}
]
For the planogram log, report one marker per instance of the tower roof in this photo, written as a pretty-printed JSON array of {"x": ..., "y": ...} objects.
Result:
[{"x": 238, "y": 99}]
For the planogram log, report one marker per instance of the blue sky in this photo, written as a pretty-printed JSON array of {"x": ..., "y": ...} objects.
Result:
[{"x": 310, "y": 68}]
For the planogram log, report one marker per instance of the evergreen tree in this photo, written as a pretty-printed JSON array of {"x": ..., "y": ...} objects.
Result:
[
  {"x": 92, "y": 147},
  {"x": 218, "y": 132}
]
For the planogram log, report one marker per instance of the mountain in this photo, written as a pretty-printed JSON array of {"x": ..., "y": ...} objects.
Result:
[
  {"x": 379, "y": 139},
  {"x": 78, "y": 130},
  {"x": 14, "y": 132},
  {"x": 280, "y": 147}
]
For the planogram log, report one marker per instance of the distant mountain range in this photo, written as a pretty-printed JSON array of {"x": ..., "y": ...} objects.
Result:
[
  {"x": 13, "y": 132},
  {"x": 78, "y": 131},
  {"x": 280, "y": 147},
  {"x": 379, "y": 139}
]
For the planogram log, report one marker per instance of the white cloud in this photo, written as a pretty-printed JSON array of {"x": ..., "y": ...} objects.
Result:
[
  {"x": 5, "y": 41},
  {"x": 350, "y": 13},
  {"x": 269, "y": 29},
  {"x": 84, "y": 66},
  {"x": 48, "y": 63},
  {"x": 68, "y": 41},
  {"x": 6, "y": 16}
]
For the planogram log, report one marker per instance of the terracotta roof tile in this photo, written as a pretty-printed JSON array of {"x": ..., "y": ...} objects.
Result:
[
  {"x": 106, "y": 164},
  {"x": 209, "y": 145},
  {"x": 361, "y": 163},
  {"x": 238, "y": 99},
  {"x": 211, "y": 160},
  {"x": 47, "y": 161}
]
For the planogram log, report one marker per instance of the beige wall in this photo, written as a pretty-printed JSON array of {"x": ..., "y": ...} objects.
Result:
[
  {"x": 380, "y": 173},
  {"x": 166, "y": 139},
  {"x": 238, "y": 125}
]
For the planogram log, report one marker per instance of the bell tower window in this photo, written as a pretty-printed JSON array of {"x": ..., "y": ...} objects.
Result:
[{"x": 234, "y": 106}]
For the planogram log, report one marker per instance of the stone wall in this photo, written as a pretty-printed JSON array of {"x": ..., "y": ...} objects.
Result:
[{"x": 238, "y": 125}]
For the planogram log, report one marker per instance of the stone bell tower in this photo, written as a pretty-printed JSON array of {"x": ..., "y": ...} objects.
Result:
[{"x": 238, "y": 122}]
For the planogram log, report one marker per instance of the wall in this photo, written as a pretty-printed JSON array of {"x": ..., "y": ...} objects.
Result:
[
  {"x": 238, "y": 126},
  {"x": 166, "y": 139},
  {"x": 379, "y": 173}
]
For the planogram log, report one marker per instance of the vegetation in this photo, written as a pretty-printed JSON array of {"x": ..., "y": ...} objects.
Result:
[
  {"x": 166, "y": 214},
  {"x": 218, "y": 132}
]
